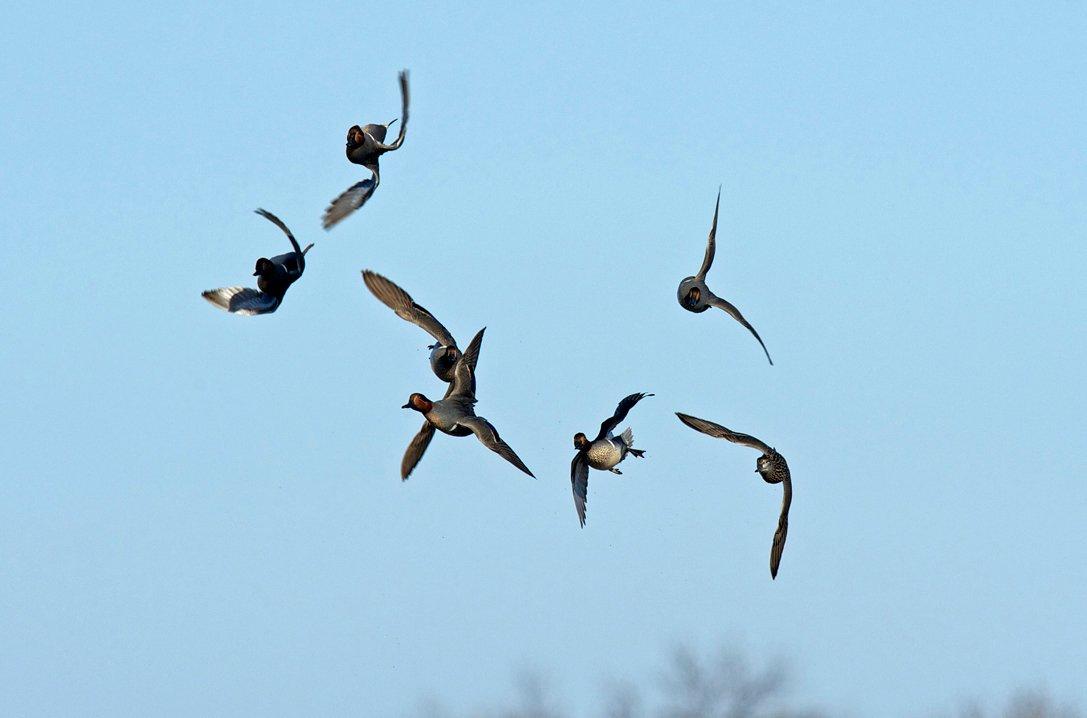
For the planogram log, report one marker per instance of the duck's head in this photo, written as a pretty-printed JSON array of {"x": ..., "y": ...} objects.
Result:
[
  {"x": 580, "y": 441},
  {"x": 693, "y": 296},
  {"x": 264, "y": 267},
  {"x": 690, "y": 292},
  {"x": 419, "y": 402},
  {"x": 354, "y": 136}
]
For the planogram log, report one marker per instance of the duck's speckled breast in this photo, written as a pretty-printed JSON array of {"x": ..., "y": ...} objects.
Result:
[{"x": 604, "y": 454}]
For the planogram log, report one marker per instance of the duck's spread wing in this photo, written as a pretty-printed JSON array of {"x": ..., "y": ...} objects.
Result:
[
  {"x": 720, "y": 432},
  {"x": 732, "y": 311},
  {"x": 711, "y": 243},
  {"x": 579, "y": 482},
  {"x": 405, "y": 100},
  {"x": 242, "y": 300},
  {"x": 471, "y": 353},
  {"x": 279, "y": 223},
  {"x": 416, "y": 449},
  {"x": 354, "y": 197},
  {"x": 621, "y": 412},
  {"x": 464, "y": 373},
  {"x": 396, "y": 299},
  {"x": 783, "y": 528},
  {"x": 489, "y": 437}
]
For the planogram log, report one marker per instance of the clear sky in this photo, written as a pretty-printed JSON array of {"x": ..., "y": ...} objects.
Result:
[{"x": 201, "y": 514}]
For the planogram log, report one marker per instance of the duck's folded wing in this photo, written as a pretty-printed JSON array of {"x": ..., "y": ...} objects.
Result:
[
  {"x": 396, "y": 299},
  {"x": 416, "y": 449},
  {"x": 293, "y": 263},
  {"x": 621, "y": 412},
  {"x": 732, "y": 311},
  {"x": 354, "y": 197},
  {"x": 489, "y": 437},
  {"x": 579, "y": 482},
  {"x": 783, "y": 529},
  {"x": 242, "y": 300},
  {"x": 721, "y": 432}
]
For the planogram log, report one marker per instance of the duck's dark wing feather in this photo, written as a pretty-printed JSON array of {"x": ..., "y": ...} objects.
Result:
[
  {"x": 396, "y": 299},
  {"x": 353, "y": 197},
  {"x": 416, "y": 449},
  {"x": 279, "y": 223},
  {"x": 711, "y": 243},
  {"x": 720, "y": 432},
  {"x": 783, "y": 528},
  {"x": 405, "y": 100},
  {"x": 621, "y": 412},
  {"x": 463, "y": 385},
  {"x": 242, "y": 300},
  {"x": 579, "y": 482},
  {"x": 488, "y": 436},
  {"x": 715, "y": 301}
]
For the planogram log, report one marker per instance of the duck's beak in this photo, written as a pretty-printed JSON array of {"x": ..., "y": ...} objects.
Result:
[
  {"x": 256, "y": 274},
  {"x": 406, "y": 406}
]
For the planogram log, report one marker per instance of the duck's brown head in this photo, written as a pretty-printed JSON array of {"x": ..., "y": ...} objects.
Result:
[
  {"x": 354, "y": 136},
  {"x": 419, "y": 402},
  {"x": 580, "y": 441},
  {"x": 694, "y": 296}
]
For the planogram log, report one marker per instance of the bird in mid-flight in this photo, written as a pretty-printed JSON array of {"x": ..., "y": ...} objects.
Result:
[
  {"x": 455, "y": 415},
  {"x": 274, "y": 277},
  {"x": 365, "y": 145},
  {"x": 695, "y": 296},
  {"x": 444, "y": 352},
  {"x": 771, "y": 466},
  {"x": 603, "y": 453}
]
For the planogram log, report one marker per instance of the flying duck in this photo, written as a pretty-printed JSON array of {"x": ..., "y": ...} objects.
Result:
[
  {"x": 455, "y": 415},
  {"x": 771, "y": 466},
  {"x": 274, "y": 277},
  {"x": 695, "y": 296},
  {"x": 604, "y": 452},
  {"x": 365, "y": 145},
  {"x": 444, "y": 352}
]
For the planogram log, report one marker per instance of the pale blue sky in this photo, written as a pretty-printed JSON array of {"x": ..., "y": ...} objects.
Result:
[{"x": 201, "y": 514}]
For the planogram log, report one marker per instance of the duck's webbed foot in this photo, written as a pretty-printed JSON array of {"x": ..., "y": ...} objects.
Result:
[
  {"x": 616, "y": 471},
  {"x": 640, "y": 453}
]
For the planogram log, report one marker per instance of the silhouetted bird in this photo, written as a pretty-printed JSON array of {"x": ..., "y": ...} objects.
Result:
[
  {"x": 274, "y": 277},
  {"x": 364, "y": 146},
  {"x": 604, "y": 452},
  {"x": 771, "y": 466},
  {"x": 695, "y": 296},
  {"x": 455, "y": 415}
]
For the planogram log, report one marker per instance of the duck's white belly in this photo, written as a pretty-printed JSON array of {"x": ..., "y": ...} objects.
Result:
[{"x": 604, "y": 454}]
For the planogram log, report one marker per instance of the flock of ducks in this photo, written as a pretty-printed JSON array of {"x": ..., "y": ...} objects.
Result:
[{"x": 454, "y": 414}]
